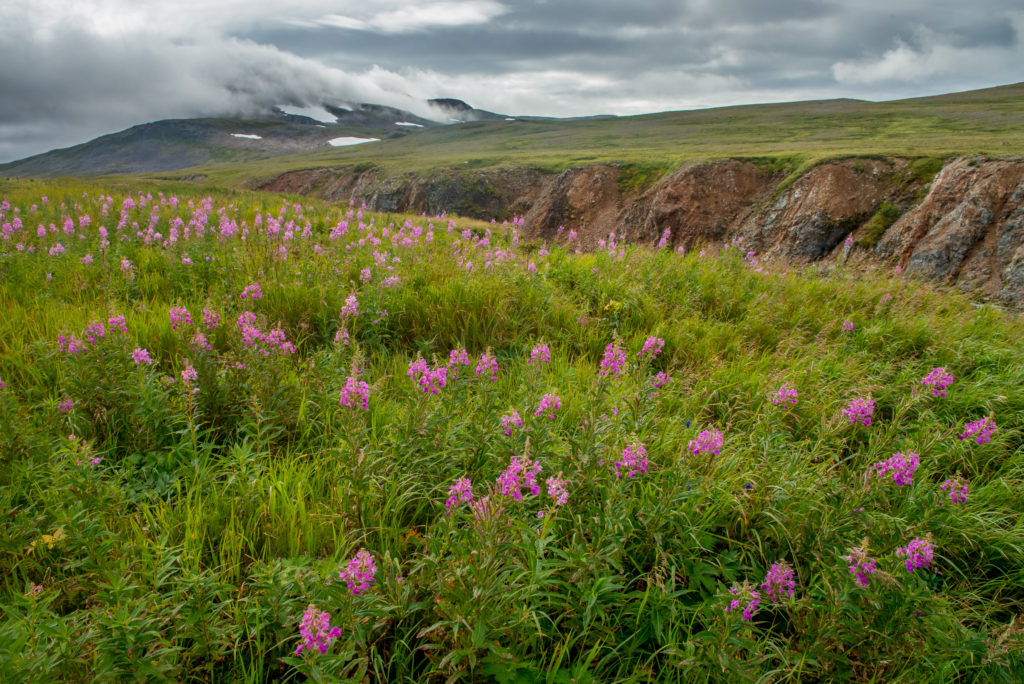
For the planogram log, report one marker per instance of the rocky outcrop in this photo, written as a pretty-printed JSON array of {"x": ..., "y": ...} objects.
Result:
[{"x": 964, "y": 227}]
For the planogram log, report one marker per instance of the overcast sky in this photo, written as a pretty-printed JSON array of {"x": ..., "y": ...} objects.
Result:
[{"x": 74, "y": 69}]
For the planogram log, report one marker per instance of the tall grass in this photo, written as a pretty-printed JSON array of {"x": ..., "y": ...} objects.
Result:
[{"x": 213, "y": 519}]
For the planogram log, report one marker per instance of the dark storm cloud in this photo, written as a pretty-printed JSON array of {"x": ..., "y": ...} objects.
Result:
[{"x": 74, "y": 69}]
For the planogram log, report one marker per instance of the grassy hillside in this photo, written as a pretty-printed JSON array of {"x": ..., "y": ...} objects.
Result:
[
  {"x": 989, "y": 122},
  {"x": 629, "y": 465}
]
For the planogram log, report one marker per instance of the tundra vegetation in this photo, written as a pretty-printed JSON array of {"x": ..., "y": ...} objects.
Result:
[{"x": 250, "y": 437}]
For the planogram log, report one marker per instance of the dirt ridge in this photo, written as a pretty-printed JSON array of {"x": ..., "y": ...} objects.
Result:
[{"x": 964, "y": 226}]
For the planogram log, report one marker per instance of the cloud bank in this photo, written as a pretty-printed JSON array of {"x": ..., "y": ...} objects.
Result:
[{"x": 74, "y": 70}]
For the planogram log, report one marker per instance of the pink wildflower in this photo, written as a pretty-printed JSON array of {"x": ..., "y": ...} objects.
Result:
[
  {"x": 744, "y": 594},
  {"x": 652, "y": 347},
  {"x": 141, "y": 356},
  {"x": 634, "y": 461},
  {"x": 780, "y": 581},
  {"x": 707, "y": 441},
  {"x": 521, "y": 472},
  {"x": 487, "y": 364},
  {"x": 179, "y": 316},
  {"x": 919, "y": 553},
  {"x": 118, "y": 323},
  {"x": 351, "y": 307},
  {"x": 251, "y": 291},
  {"x": 211, "y": 319},
  {"x": 938, "y": 379},
  {"x": 860, "y": 410},
  {"x": 355, "y": 390},
  {"x": 980, "y": 430},
  {"x": 316, "y": 631},
  {"x": 360, "y": 573},
  {"x": 549, "y": 402},
  {"x": 861, "y": 566},
  {"x": 848, "y": 326},
  {"x": 785, "y": 395},
  {"x": 614, "y": 360},
  {"x": 459, "y": 493},
  {"x": 900, "y": 467},
  {"x": 956, "y": 488},
  {"x": 541, "y": 353},
  {"x": 509, "y": 419},
  {"x": 557, "y": 489}
]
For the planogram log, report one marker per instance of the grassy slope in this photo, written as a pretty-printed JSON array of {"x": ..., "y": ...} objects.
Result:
[
  {"x": 213, "y": 519},
  {"x": 987, "y": 122}
]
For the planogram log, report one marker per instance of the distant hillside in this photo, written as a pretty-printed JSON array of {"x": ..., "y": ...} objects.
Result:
[{"x": 174, "y": 144}]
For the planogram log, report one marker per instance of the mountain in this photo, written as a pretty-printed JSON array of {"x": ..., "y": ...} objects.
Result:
[{"x": 173, "y": 144}]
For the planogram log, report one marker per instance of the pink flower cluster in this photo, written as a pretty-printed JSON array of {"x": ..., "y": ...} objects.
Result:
[
  {"x": 252, "y": 336},
  {"x": 548, "y": 403},
  {"x": 487, "y": 365},
  {"x": 521, "y": 472},
  {"x": 660, "y": 380},
  {"x": 251, "y": 291},
  {"x": 179, "y": 317},
  {"x": 980, "y": 430},
  {"x": 141, "y": 356},
  {"x": 614, "y": 360},
  {"x": 557, "y": 489},
  {"x": 459, "y": 493},
  {"x": 746, "y": 596},
  {"x": 634, "y": 461},
  {"x": 355, "y": 391},
  {"x": 316, "y": 631},
  {"x": 785, "y": 395},
  {"x": 860, "y": 410},
  {"x": 780, "y": 582},
  {"x": 652, "y": 347},
  {"x": 707, "y": 441},
  {"x": 861, "y": 565},
  {"x": 919, "y": 553},
  {"x": 351, "y": 306},
  {"x": 429, "y": 380},
  {"x": 509, "y": 420},
  {"x": 360, "y": 573},
  {"x": 900, "y": 467},
  {"x": 938, "y": 380},
  {"x": 956, "y": 487},
  {"x": 541, "y": 353}
]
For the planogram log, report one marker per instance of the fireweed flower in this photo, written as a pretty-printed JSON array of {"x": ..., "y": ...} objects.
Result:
[
  {"x": 549, "y": 402},
  {"x": 521, "y": 472},
  {"x": 900, "y": 467},
  {"x": 351, "y": 307},
  {"x": 956, "y": 488},
  {"x": 359, "y": 574},
  {"x": 785, "y": 395},
  {"x": 848, "y": 326},
  {"x": 510, "y": 419},
  {"x": 65, "y": 406},
  {"x": 211, "y": 319},
  {"x": 141, "y": 356},
  {"x": 652, "y": 347},
  {"x": 487, "y": 364},
  {"x": 557, "y": 489},
  {"x": 127, "y": 268},
  {"x": 861, "y": 565},
  {"x": 428, "y": 380},
  {"x": 118, "y": 323},
  {"x": 459, "y": 493},
  {"x": 860, "y": 410},
  {"x": 199, "y": 340},
  {"x": 94, "y": 332},
  {"x": 744, "y": 594},
  {"x": 316, "y": 631},
  {"x": 457, "y": 357},
  {"x": 614, "y": 360},
  {"x": 541, "y": 353},
  {"x": 251, "y": 291},
  {"x": 780, "y": 582},
  {"x": 660, "y": 380},
  {"x": 634, "y": 461},
  {"x": 918, "y": 552},
  {"x": 938, "y": 379},
  {"x": 189, "y": 378},
  {"x": 707, "y": 441},
  {"x": 70, "y": 344},
  {"x": 980, "y": 430},
  {"x": 353, "y": 391},
  {"x": 179, "y": 316}
]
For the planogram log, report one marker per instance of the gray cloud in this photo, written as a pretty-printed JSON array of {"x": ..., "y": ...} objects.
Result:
[{"x": 72, "y": 70}]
